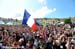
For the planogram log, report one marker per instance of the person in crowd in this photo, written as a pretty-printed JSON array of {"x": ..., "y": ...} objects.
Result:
[
  {"x": 47, "y": 37},
  {"x": 50, "y": 42}
]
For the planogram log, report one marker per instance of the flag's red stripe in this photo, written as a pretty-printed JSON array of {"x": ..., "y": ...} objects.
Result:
[{"x": 34, "y": 27}]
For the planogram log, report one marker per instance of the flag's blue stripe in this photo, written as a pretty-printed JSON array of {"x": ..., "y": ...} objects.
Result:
[
  {"x": 37, "y": 23},
  {"x": 25, "y": 18}
]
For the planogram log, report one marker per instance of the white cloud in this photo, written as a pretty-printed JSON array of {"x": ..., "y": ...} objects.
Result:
[
  {"x": 10, "y": 10},
  {"x": 40, "y": 13},
  {"x": 16, "y": 10},
  {"x": 42, "y": 1},
  {"x": 16, "y": 13}
]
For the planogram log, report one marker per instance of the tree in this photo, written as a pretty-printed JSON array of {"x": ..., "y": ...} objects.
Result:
[{"x": 67, "y": 21}]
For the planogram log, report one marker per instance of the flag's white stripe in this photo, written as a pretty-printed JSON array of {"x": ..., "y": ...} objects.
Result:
[{"x": 30, "y": 21}]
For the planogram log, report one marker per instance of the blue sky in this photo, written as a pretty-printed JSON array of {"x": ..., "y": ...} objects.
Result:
[
  {"x": 65, "y": 8},
  {"x": 37, "y": 8}
]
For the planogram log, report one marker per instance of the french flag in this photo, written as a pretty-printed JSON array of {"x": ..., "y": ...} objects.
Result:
[{"x": 29, "y": 21}]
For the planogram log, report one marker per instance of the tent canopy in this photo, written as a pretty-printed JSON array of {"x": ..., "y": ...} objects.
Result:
[
  {"x": 9, "y": 23},
  {"x": 2, "y": 22}
]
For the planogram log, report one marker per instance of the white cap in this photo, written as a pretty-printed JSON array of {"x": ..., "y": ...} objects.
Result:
[{"x": 21, "y": 39}]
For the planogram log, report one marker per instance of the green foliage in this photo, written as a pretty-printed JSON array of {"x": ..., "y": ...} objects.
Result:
[{"x": 67, "y": 21}]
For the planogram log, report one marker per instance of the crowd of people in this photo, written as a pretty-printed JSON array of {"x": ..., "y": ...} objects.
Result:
[{"x": 45, "y": 37}]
